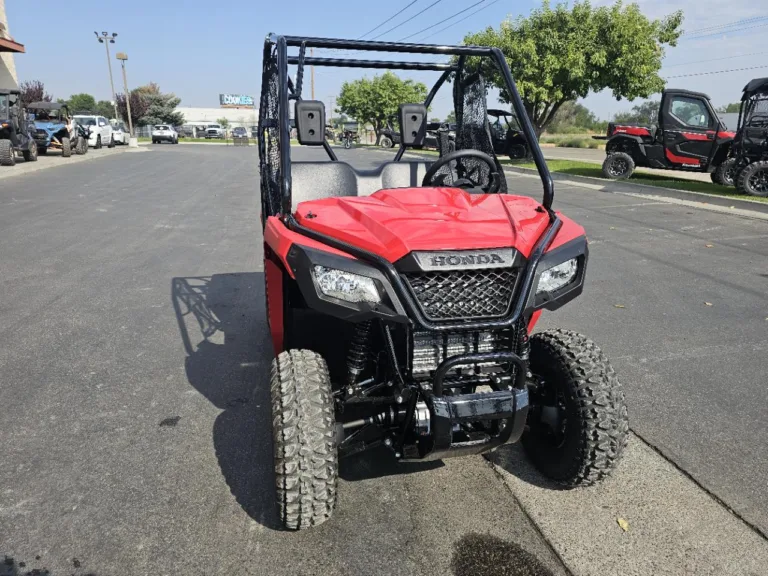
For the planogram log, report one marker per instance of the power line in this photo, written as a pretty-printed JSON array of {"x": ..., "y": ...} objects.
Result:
[
  {"x": 724, "y": 31},
  {"x": 717, "y": 72},
  {"x": 451, "y": 17},
  {"x": 406, "y": 21},
  {"x": 716, "y": 59},
  {"x": 726, "y": 25},
  {"x": 388, "y": 19},
  {"x": 460, "y": 21}
]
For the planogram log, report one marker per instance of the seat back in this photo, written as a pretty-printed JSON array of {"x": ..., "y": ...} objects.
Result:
[{"x": 318, "y": 180}]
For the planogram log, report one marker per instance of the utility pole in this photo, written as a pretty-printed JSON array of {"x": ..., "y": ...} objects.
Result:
[
  {"x": 123, "y": 57},
  {"x": 332, "y": 101},
  {"x": 108, "y": 39},
  {"x": 312, "y": 72}
]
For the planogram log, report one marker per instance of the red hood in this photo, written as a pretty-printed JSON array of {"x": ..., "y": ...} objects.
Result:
[{"x": 392, "y": 223}]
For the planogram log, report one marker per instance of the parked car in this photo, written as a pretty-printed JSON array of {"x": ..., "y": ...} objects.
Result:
[
  {"x": 119, "y": 133},
  {"x": 239, "y": 132},
  {"x": 164, "y": 133},
  {"x": 186, "y": 131},
  {"x": 101, "y": 130},
  {"x": 214, "y": 131}
]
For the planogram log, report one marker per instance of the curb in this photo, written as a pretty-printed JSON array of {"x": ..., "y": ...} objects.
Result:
[{"x": 629, "y": 188}]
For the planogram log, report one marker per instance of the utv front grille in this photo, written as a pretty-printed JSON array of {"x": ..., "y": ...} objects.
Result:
[{"x": 463, "y": 294}]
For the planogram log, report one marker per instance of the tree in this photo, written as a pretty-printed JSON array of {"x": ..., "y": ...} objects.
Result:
[
  {"x": 224, "y": 122},
  {"x": 376, "y": 101},
  {"x": 560, "y": 54},
  {"x": 339, "y": 121},
  {"x": 451, "y": 118},
  {"x": 729, "y": 108},
  {"x": 104, "y": 108},
  {"x": 575, "y": 117},
  {"x": 161, "y": 108},
  {"x": 645, "y": 113},
  {"x": 33, "y": 91},
  {"x": 435, "y": 119},
  {"x": 139, "y": 107},
  {"x": 82, "y": 104}
]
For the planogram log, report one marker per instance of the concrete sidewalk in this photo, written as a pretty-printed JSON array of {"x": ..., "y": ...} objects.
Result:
[{"x": 673, "y": 527}]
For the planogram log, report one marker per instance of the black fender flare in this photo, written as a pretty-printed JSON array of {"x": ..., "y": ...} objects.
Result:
[{"x": 633, "y": 145}]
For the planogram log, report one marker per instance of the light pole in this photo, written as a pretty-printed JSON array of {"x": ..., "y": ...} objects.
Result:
[
  {"x": 108, "y": 39},
  {"x": 122, "y": 56}
]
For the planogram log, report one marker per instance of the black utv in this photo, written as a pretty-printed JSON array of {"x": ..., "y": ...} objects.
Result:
[
  {"x": 15, "y": 137},
  {"x": 748, "y": 162}
]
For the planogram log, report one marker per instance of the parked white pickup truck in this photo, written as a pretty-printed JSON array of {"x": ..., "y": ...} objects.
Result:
[{"x": 214, "y": 131}]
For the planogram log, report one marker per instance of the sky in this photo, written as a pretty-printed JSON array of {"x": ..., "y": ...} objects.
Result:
[{"x": 198, "y": 52}]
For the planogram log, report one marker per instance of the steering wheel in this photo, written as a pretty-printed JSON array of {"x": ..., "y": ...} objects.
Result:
[{"x": 494, "y": 176}]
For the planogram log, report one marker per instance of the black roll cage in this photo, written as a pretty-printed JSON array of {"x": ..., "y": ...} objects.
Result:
[{"x": 287, "y": 91}]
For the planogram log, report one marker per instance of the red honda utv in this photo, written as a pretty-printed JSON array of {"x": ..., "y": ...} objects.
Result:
[
  {"x": 402, "y": 300},
  {"x": 689, "y": 136}
]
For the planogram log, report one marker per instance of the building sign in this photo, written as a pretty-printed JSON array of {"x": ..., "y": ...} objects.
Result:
[{"x": 235, "y": 101}]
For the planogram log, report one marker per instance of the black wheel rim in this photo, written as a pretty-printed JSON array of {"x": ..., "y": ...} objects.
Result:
[
  {"x": 618, "y": 167},
  {"x": 758, "y": 182},
  {"x": 729, "y": 175},
  {"x": 550, "y": 415}
]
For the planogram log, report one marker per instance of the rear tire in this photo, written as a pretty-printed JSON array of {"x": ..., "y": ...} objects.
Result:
[
  {"x": 753, "y": 179},
  {"x": 66, "y": 147},
  {"x": 725, "y": 173},
  {"x": 7, "y": 156},
  {"x": 386, "y": 142},
  {"x": 580, "y": 440},
  {"x": 304, "y": 432},
  {"x": 31, "y": 154},
  {"x": 618, "y": 166}
]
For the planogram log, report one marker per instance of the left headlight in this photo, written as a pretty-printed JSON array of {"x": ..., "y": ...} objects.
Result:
[
  {"x": 556, "y": 277},
  {"x": 346, "y": 285}
]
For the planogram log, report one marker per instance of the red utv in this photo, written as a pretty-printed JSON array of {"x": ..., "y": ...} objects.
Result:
[
  {"x": 689, "y": 136},
  {"x": 402, "y": 300}
]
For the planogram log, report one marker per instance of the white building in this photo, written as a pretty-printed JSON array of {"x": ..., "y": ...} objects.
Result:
[
  {"x": 245, "y": 117},
  {"x": 8, "y": 47}
]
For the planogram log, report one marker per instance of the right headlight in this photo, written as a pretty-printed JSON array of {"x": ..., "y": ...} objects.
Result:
[
  {"x": 556, "y": 277},
  {"x": 346, "y": 285}
]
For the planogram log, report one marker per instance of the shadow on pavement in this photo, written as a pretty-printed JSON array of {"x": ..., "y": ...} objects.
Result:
[
  {"x": 379, "y": 463},
  {"x": 223, "y": 327},
  {"x": 512, "y": 458},
  {"x": 486, "y": 555}
]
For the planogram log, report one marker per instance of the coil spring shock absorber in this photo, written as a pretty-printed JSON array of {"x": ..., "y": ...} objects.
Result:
[
  {"x": 524, "y": 345},
  {"x": 357, "y": 357}
]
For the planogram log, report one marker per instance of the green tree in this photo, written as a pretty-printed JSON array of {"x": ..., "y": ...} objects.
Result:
[
  {"x": 560, "y": 54},
  {"x": 375, "y": 101},
  {"x": 104, "y": 108},
  {"x": 82, "y": 104},
  {"x": 435, "y": 119},
  {"x": 161, "y": 108},
  {"x": 645, "y": 113},
  {"x": 224, "y": 122},
  {"x": 451, "y": 118},
  {"x": 729, "y": 108},
  {"x": 574, "y": 117}
]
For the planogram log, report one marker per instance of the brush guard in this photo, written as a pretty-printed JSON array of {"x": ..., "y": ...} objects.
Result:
[{"x": 506, "y": 409}]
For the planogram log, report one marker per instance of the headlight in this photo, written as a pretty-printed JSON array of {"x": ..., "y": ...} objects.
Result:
[
  {"x": 346, "y": 285},
  {"x": 558, "y": 276}
]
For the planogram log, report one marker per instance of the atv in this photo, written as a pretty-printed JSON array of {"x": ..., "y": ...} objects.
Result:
[
  {"x": 55, "y": 128},
  {"x": 401, "y": 301},
  {"x": 748, "y": 163},
  {"x": 508, "y": 138},
  {"x": 689, "y": 136},
  {"x": 15, "y": 137}
]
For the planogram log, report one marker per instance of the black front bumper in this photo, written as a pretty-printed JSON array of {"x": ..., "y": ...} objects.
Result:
[{"x": 508, "y": 408}]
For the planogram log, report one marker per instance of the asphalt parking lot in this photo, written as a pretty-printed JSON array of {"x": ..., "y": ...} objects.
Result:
[{"x": 136, "y": 421}]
